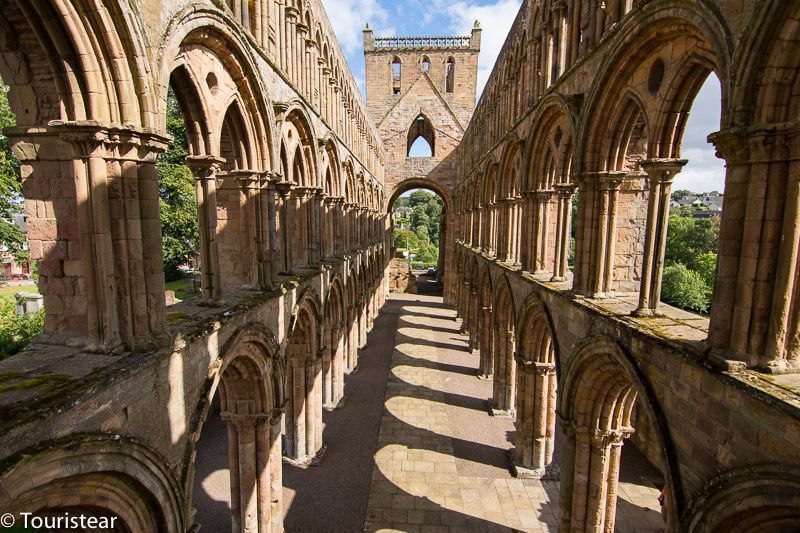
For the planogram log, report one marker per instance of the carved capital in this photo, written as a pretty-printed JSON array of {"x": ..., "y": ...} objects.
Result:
[{"x": 204, "y": 166}]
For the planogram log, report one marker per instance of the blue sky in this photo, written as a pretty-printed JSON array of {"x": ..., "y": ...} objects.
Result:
[{"x": 408, "y": 18}]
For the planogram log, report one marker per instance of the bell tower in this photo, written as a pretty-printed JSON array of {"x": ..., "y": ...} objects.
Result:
[{"x": 421, "y": 87}]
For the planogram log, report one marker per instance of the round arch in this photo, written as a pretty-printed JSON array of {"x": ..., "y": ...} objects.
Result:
[
  {"x": 600, "y": 384},
  {"x": 248, "y": 380},
  {"x": 760, "y": 497},
  {"x": 128, "y": 481}
]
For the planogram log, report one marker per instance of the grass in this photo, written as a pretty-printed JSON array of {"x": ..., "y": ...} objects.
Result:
[
  {"x": 182, "y": 288},
  {"x": 9, "y": 292}
]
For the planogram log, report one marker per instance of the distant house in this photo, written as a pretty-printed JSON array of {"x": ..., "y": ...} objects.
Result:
[
  {"x": 402, "y": 212},
  {"x": 8, "y": 267}
]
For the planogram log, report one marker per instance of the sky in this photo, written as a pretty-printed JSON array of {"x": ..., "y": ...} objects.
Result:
[{"x": 418, "y": 18}]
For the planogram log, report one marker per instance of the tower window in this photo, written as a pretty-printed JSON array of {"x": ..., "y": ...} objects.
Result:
[
  {"x": 396, "y": 75},
  {"x": 426, "y": 64},
  {"x": 450, "y": 75},
  {"x": 421, "y": 138}
]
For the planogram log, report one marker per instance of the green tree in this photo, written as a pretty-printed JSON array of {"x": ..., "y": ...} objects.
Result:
[
  {"x": 179, "y": 228},
  {"x": 403, "y": 238},
  {"x": 16, "y": 331},
  {"x": 419, "y": 217},
  {"x": 707, "y": 267},
  {"x": 685, "y": 288},
  {"x": 419, "y": 197},
  {"x": 428, "y": 253},
  {"x": 680, "y": 193},
  {"x": 11, "y": 199},
  {"x": 688, "y": 238},
  {"x": 422, "y": 234}
]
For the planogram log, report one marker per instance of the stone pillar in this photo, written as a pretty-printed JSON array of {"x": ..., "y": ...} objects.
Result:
[
  {"x": 276, "y": 471},
  {"x": 91, "y": 199},
  {"x": 486, "y": 339},
  {"x": 565, "y": 193},
  {"x": 605, "y": 238},
  {"x": 284, "y": 190},
  {"x": 535, "y": 423},
  {"x": 660, "y": 173},
  {"x": 755, "y": 316},
  {"x": 250, "y": 221},
  {"x": 205, "y": 169},
  {"x": 271, "y": 259},
  {"x": 542, "y": 224},
  {"x": 473, "y": 318},
  {"x": 464, "y": 311},
  {"x": 313, "y": 398},
  {"x": 352, "y": 337},
  {"x": 504, "y": 373},
  {"x": 251, "y": 466}
]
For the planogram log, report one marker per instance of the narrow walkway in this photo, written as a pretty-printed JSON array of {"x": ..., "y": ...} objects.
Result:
[
  {"x": 417, "y": 452},
  {"x": 442, "y": 461}
]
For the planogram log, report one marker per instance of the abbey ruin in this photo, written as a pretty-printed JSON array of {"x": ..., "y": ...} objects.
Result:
[{"x": 294, "y": 179}]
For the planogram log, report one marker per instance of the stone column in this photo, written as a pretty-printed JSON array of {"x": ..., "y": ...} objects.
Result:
[
  {"x": 276, "y": 471},
  {"x": 606, "y": 447},
  {"x": 250, "y": 461},
  {"x": 205, "y": 169},
  {"x": 565, "y": 192},
  {"x": 250, "y": 222},
  {"x": 473, "y": 318},
  {"x": 464, "y": 311},
  {"x": 542, "y": 243},
  {"x": 609, "y": 184},
  {"x": 284, "y": 190},
  {"x": 271, "y": 258},
  {"x": 535, "y": 425},
  {"x": 567, "y": 463},
  {"x": 486, "y": 339},
  {"x": 660, "y": 173},
  {"x": 313, "y": 392}
]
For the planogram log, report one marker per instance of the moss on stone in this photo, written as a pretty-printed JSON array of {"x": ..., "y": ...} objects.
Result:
[{"x": 44, "y": 381}]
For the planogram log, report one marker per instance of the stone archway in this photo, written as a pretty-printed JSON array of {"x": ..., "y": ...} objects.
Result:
[{"x": 536, "y": 393}]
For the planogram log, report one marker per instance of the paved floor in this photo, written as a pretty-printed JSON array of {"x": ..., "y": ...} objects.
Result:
[
  {"x": 442, "y": 461},
  {"x": 414, "y": 448}
]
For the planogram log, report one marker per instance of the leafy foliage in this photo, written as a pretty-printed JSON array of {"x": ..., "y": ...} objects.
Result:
[
  {"x": 685, "y": 288},
  {"x": 11, "y": 199},
  {"x": 691, "y": 262},
  {"x": 179, "y": 227},
  {"x": 688, "y": 238},
  {"x": 16, "y": 331},
  {"x": 424, "y": 221}
]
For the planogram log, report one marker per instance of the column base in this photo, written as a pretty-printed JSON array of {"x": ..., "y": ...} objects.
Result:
[
  {"x": 335, "y": 406},
  {"x": 527, "y": 473},
  {"x": 558, "y": 279},
  {"x": 644, "y": 312},
  {"x": 306, "y": 462},
  {"x": 500, "y": 413}
]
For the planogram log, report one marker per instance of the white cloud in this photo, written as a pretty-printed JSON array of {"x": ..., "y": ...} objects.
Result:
[
  {"x": 348, "y": 18},
  {"x": 496, "y": 20}
]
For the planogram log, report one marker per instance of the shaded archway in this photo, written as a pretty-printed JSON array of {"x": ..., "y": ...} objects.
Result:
[
  {"x": 435, "y": 240},
  {"x": 505, "y": 367},
  {"x": 245, "y": 417},
  {"x": 96, "y": 476},
  {"x": 536, "y": 392},
  {"x": 603, "y": 397},
  {"x": 334, "y": 340},
  {"x": 303, "y": 420}
]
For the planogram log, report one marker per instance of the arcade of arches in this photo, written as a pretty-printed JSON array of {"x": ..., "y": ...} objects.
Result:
[{"x": 294, "y": 175}]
